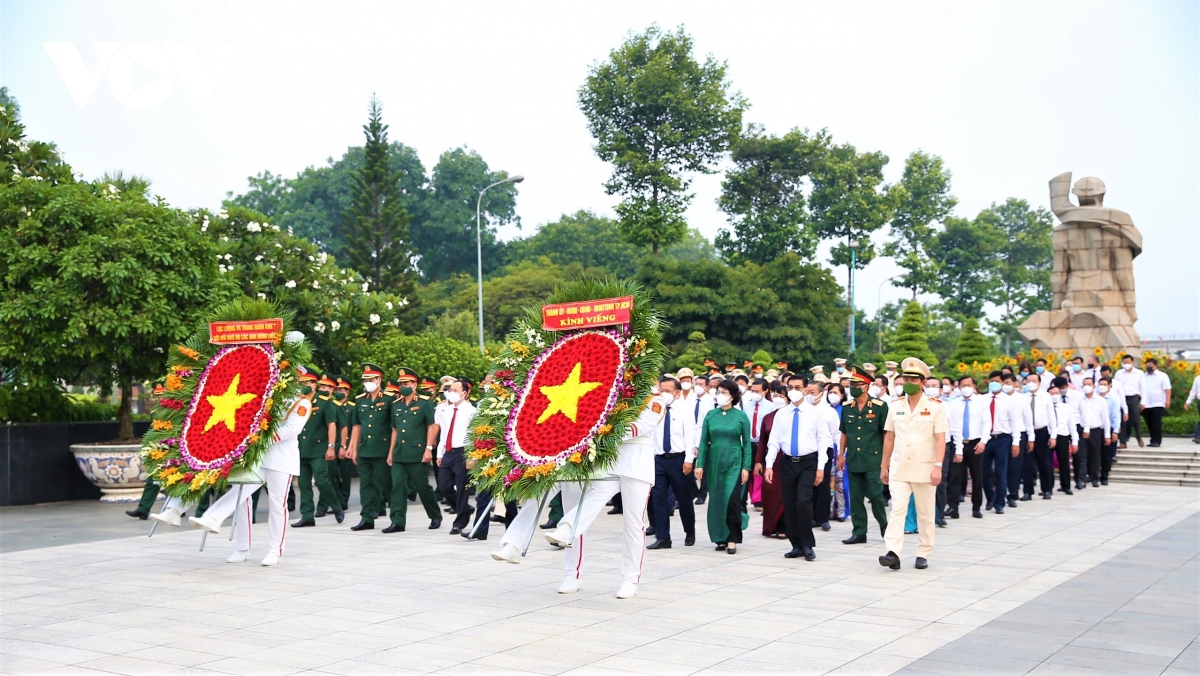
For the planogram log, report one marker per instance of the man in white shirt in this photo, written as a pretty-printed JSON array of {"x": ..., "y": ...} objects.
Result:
[
  {"x": 1076, "y": 373},
  {"x": 969, "y": 423},
  {"x": 1157, "y": 401},
  {"x": 674, "y": 453},
  {"x": 1093, "y": 416},
  {"x": 1193, "y": 395},
  {"x": 1044, "y": 421},
  {"x": 1016, "y": 466},
  {"x": 1006, "y": 421},
  {"x": 1066, "y": 434},
  {"x": 822, "y": 494},
  {"x": 452, "y": 423},
  {"x": 799, "y": 435}
]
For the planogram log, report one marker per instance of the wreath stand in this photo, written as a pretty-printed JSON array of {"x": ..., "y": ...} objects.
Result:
[
  {"x": 241, "y": 479},
  {"x": 541, "y": 508}
]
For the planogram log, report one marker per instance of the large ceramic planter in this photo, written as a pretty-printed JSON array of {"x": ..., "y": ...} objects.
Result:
[{"x": 116, "y": 470}]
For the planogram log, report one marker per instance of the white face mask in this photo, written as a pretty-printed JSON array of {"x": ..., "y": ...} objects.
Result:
[
  {"x": 699, "y": 390},
  {"x": 795, "y": 396},
  {"x": 370, "y": 387},
  {"x": 453, "y": 397},
  {"x": 1103, "y": 389},
  {"x": 742, "y": 389},
  {"x": 1056, "y": 398},
  {"x": 655, "y": 390},
  {"x": 932, "y": 392},
  {"x": 1087, "y": 389},
  {"x": 898, "y": 391},
  {"x": 810, "y": 399},
  {"x": 874, "y": 391},
  {"x": 835, "y": 399},
  {"x": 666, "y": 398},
  {"x": 723, "y": 399},
  {"x": 966, "y": 392},
  {"x": 1007, "y": 389},
  {"x": 947, "y": 389},
  {"x": 780, "y": 399},
  {"x": 753, "y": 397},
  {"x": 686, "y": 385},
  {"x": 1128, "y": 366}
]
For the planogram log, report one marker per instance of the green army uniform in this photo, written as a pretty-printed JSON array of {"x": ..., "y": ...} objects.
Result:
[
  {"x": 411, "y": 421},
  {"x": 372, "y": 415},
  {"x": 314, "y": 443},
  {"x": 339, "y": 469},
  {"x": 864, "y": 455}
]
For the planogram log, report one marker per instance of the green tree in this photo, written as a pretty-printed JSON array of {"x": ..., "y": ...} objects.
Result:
[
  {"x": 430, "y": 355},
  {"x": 972, "y": 346},
  {"x": 583, "y": 238},
  {"x": 445, "y": 235},
  {"x": 966, "y": 251},
  {"x": 694, "y": 353},
  {"x": 922, "y": 198},
  {"x": 911, "y": 339},
  {"x": 1020, "y": 270},
  {"x": 20, "y": 157},
  {"x": 380, "y": 246},
  {"x": 762, "y": 195},
  {"x": 658, "y": 114}
]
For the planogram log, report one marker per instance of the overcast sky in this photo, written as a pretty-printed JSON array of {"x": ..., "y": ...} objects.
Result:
[{"x": 197, "y": 96}]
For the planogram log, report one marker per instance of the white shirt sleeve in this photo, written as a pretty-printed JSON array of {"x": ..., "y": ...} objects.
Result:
[
  {"x": 776, "y": 430},
  {"x": 293, "y": 424}
]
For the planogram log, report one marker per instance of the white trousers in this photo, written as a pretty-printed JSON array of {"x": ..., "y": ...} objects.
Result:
[
  {"x": 925, "y": 497},
  {"x": 277, "y": 516},
  {"x": 174, "y": 503},
  {"x": 521, "y": 530},
  {"x": 634, "y": 494}
]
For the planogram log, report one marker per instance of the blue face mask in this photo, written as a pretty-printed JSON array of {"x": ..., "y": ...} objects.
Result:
[
  {"x": 1026, "y": 389},
  {"x": 1076, "y": 367},
  {"x": 1041, "y": 369},
  {"x": 1024, "y": 374},
  {"x": 993, "y": 387}
]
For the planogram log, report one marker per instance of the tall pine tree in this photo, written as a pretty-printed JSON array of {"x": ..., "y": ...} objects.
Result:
[
  {"x": 376, "y": 224},
  {"x": 972, "y": 346},
  {"x": 911, "y": 340}
]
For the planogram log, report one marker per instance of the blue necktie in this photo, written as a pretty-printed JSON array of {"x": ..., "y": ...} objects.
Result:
[
  {"x": 697, "y": 416},
  {"x": 966, "y": 419},
  {"x": 667, "y": 431},
  {"x": 795, "y": 432}
]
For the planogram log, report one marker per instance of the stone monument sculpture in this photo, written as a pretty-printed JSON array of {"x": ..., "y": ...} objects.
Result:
[{"x": 1094, "y": 302}]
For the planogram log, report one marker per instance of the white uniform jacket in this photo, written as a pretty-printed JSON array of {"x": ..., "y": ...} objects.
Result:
[
  {"x": 635, "y": 456},
  {"x": 284, "y": 452}
]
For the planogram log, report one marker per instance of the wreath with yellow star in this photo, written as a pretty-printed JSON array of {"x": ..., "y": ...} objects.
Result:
[
  {"x": 220, "y": 405},
  {"x": 559, "y": 402}
]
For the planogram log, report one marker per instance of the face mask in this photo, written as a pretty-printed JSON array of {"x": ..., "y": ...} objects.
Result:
[
  {"x": 1076, "y": 368},
  {"x": 911, "y": 388},
  {"x": 700, "y": 390},
  {"x": 781, "y": 400},
  {"x": 933, "y": 392},
  {"x": 753, "y": 397},
  {"x": 1024, "y": 374},
  {"x": 841, "y": 369},
  {"x": 1007, "y": 389},
  {"x": 835, "y": 399},
  {"x": 370, "y": 387},
  {"x": 1103, "y": 389},
  {"x": 966, "y": 392},
  {"x": 810, "y": 399},
  {"x": 795, "y": 396},
  {"x": 1026, "y": 388},
  {"x": 406, "y": 391},
  {"x": 686, "y": 385},
  {"x": 855, "y": 392},
  {"x": 453, "y": 397},
  {"x": 947, "y": 389},
  {"x": 1087, "y": 389},
  {"x": 340, "y": 396},
  {"x": 723, "y": 399},
  {"x": 993, "y": 387},
  {"x": 306, "y": 389},
  {"x": 1040, "y": 370},
  {"x": 874, "y": 391},
  {"x": 742, "y": 389},
  {"x": 1128, "y": 366},
  {"x": 1056, "y": 398},
  {"x": 1151, "y": 368},
  {"x": 655, "y": 390},
  {"x": 666, "y": 398}
]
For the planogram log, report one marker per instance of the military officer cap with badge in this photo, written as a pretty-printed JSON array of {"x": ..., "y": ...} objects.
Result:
[
  {"x": 711, "y": 366},
  {"x": 159, "y": 388},
  {"x": 392, "y": 388},
  {"x": 342, "y": 384},
  {"x": 869, "y": 368},
  {"x": 891, "y": 365},
  {"x": 371, "y": 375},
  {"x": 326, "y": 380},
  {"x": 914, "y": 368},
  {"x": 405, "y": 374},
  {"x": 684, "y": 372}
]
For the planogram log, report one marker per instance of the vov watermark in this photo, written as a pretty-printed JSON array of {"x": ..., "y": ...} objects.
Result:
[{"x": 164, "y": 61}]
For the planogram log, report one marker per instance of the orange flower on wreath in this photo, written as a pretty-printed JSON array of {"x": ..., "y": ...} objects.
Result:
[
  {"x": 161, "y": 425},
  {"x": 174, "y": 382},
  {"x": 188, "y": 352}
]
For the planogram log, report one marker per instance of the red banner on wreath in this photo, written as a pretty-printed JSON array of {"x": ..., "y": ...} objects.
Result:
[
  {"x": 586, "y": 314},
  {"x": 254, "y": 331}
]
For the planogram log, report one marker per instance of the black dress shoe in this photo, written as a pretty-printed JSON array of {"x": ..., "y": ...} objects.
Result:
[
  {"x": 1026, "y": 497},
  {"x": 855, "y": 540},
  {"x": 999, "y": 510},
  {"x": 393, "y": 529},
  {"x": 468, "y": 536},
  {"x": 650, "y": 531},
  {"x": 976, "y": 513},
  {"x": 1046, "y": 495},
  {"x": 549, "y": 525},
  {"x": 953, "y": 515},
  {"x": 794, "y": 554},
  {"x": 1104, "y": 482},
  {"x": 721, "y": 547},
  {"x": 1068, "y": 491},
  {"x": 921, "y": 564},
  {"x": 1078, "y": 485},
  {"x": 809, "y": 554},
  {"x": 363, "y": 525},
  {"x": 689, "y": 539},
  {"x": 1012, "y": 503},
  {"x": 435, "y": 524},
  {"x": 615, "y": 510},
  {"x": 320, "y": 513},
  {"x": 136, "y": 514},
  {"x": 1095, "y": 484},
  {"x": 890, "y": 560},
  {"x": 660, "y": 544},
  {"x": 340, "y": 515},
  {"x": 940, "y": 524},
  {"x": 700, "y": 500},
  {"x": 455, "y": 530},
  {"x": 450, "y": 510},
  {"x": 412, "y": 497},
  {"x": 825, "y": 526},
  {"x": 304, "y": 523},
  {"x": 496, "y": 518}
]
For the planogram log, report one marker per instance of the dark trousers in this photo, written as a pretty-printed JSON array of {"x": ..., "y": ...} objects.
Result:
[
  {"x": 482, "y": 500},
  {"x": 370, "y": 486},
  {"x": 822, "y": 499},
  {"x": 1134, "y": 424},
  {"x": 339, "y": 472},
  {"x": 313, "y": 470},
  {"x": 1039, "y": 470},
  {"x": 1062, "y": 451},
  {"x": 668, "y": 478},
  {"x": 1016, "y": 467},
  {"x": 733, "y": 512},
  {"x": 995, "y": 469},
  {"x": 1154, "y": 417},
  {"x": 556, "y": 509},
  {"x": 405, "y": 474},
  {"x": 452, "y": 481},
  {"x": 1107, "y": 455},
  {"x": 702, "y": 490},
  {"x": 1094, "y": 444},
  {"x": 941, "y": 495},
  {"x": 864, "y": 485},
  {"x": 972, "y": 464},
  {"x": 797, "y": 476}
]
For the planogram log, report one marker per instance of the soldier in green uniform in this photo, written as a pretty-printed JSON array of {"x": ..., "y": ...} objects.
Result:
[
  {"x": 150, "y": 492},
  {"x": 412, "y": 443},
  {"x": 862, "y": 454},
  {"x": 370, "y": 437},
  {"x": 339, "y": 468},
  {"x": 318, "y": 445}
]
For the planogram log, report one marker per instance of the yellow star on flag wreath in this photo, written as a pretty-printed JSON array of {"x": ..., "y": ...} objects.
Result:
[
  {"x": 565, "y": 398},
  {"x": 225, "y": 406}
]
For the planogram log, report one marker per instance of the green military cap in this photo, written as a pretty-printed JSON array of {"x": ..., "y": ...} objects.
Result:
[
  {"x": 326, "y": 380},
  {"x": 307, "y": 375},
  {"x": 391, "y": 387},
  {"x": 466, "y": 383},
  {"x": 342, "y": 383},
  {"x": 858, "y": 375},
  {"x": 370, "y": 370},
  {"x": 404, "y": 374}
]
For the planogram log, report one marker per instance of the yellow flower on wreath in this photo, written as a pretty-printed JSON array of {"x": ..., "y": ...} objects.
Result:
[
  {"x": 604, "y": 429},
  {"x": 576, "y": 457},
  {"x": 484, "y": 429},
  {"x": 491, "y": 470}
]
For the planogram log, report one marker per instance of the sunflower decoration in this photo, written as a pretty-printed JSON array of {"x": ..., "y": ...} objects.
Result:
[{"x": 1098, "y": 351}]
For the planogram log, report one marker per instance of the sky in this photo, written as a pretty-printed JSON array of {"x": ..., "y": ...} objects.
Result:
[{"x": 197, "y": 96}]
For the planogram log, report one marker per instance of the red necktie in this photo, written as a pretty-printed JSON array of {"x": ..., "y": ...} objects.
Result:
[
  {"x": 450, "y": 432},
  {"x": 754, "y": 421},
  {"x": 993, "y": 407}
]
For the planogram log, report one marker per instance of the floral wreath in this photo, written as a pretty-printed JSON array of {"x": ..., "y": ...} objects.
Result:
[
  {"x": 193, "y": 444},
  {"x": 525, "y": 435}
]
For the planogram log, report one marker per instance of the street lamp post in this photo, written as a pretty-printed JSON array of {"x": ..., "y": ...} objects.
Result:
[
  {"x": 853, "y": 260},
  {"x": 878, "y": 308},
  {"x": 479, "y": 246}
]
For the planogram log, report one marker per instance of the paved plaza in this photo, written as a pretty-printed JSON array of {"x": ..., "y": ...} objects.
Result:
[{"x": 1106, "y": 580}]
